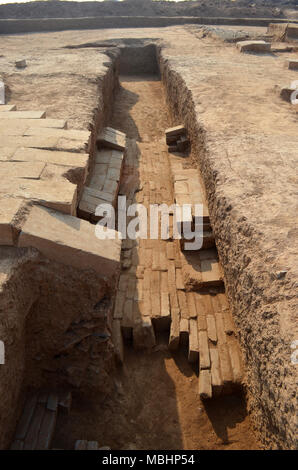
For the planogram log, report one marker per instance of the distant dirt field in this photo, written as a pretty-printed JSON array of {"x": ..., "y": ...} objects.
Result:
[{"x": 224, "y": 8}]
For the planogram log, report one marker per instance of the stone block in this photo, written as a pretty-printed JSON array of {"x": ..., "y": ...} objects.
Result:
[
  {"x": 70, "y": 241},
  {"x": 21, "y": 170},
  {"x": 216, "y": 380},
  {"x": 21, "y": 64},
  {"x": 184, "y": 331},
  {"x": 9, "y": 207},
  {"x": 204, "y": 350},
  {"x": 76, "y": 160},
  {"x": 292, "y": 65},
  {"x": 37, "y": 123},
  {"x": 26, "y": 418},
  {"x": 143, "y": 334},
  {"x": 211, "y": 328},
  {"x": 254, "y": 46},
  {"x": 286, "y": 93},
  {"x": 47, "y": 429},
  {"x": 80, "y": 445},
  {"x": 193, "y": 351},
  {"x": 175, "y": 131},
  {"x": 205, "y": 385},
  {"x": 112, "y": 139},
  {"x": 6, "y": 153},
  {"x": 58, "y": 195},
  {"x": 234, "y": 352},
  {"x": 7, "y": 107},
  {"x": 175, "y": 329},
  {"x": 23, "y": 115}
]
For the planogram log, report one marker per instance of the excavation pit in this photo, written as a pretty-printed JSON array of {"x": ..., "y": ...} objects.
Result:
[{"x": 143, "y": 107}]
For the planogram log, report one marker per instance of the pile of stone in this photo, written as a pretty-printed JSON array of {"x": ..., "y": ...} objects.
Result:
[
  {"x": 176, "y": 138},
  {"x": 36, "y": 427}
]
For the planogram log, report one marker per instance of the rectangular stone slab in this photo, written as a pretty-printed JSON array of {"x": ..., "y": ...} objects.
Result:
[
  {"x": 193, "y": 352},
  {"x": 7, "y": 107},
  {"x": 70, "y": 241},
  {"x": 37, "y": 123},
  {"x": 58, "y": 195},
  {"x": 253, "y": 46},
  {"x": 6, "y": 153},
  {"x": 205, "y": 386},
  {"x": 21, "y": 170},
  {"x": 67, "y": 133},
  {"x": 46, "y": 142},
  {"x": 23, "y": 115},
  {"x": 175, "y": 131},
  {"x": 77, "y": 160}
]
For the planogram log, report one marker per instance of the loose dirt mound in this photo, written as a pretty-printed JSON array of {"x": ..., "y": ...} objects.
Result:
[{"x": 221, "y": 8}]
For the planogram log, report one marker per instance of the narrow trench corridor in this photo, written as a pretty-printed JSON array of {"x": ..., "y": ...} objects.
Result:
[{"x": 155, "y": 402}]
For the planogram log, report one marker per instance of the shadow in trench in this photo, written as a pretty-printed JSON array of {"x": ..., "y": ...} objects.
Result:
[
  {"x": 225, "y": 413},
  {"x": 139, "y": 413}
]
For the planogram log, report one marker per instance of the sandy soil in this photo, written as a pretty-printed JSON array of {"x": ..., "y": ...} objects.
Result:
[{"x": 224, "y": 8}]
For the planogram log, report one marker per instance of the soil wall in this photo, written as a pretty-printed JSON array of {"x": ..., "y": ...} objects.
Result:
[{"x": 265, "y": 345}]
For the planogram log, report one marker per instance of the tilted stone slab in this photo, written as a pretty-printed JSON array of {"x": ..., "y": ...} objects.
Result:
[
  {"x": 72, "y": 159},
  {"x": 70, "y": 241},
  {"x": 8, "y": 127},
  {"x": 60, "y": 195},
  {"x": 23, "y": 115},
  {"x": 37, "y": 123},
  {"x": 253, "y": 46},
  {"x": 67, "y": 133},
  {"x": 111, "y": 138},
  {"x": 91, "y": 198},
  {"x": 46, "y": 142},
  {"x": 7, "y": 107},
  {"x": 21, "y": 169},
  {"x": 6, "y": 153},
  {"x": 9, "y": 208},
  {"x": 175, "y": 131}
]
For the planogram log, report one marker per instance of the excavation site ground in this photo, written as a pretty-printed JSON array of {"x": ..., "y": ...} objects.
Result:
[{"x": 143, "y": 344}]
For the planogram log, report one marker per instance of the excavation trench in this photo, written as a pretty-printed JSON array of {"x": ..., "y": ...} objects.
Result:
[
  {"x": 154, "y": 402},
  {"x": 151, "y": 401}
]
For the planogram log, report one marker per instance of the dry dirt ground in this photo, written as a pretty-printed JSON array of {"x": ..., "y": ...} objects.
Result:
[
  {"x": 224, "y": 8},
  {"x": 249, "y": 166}
]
